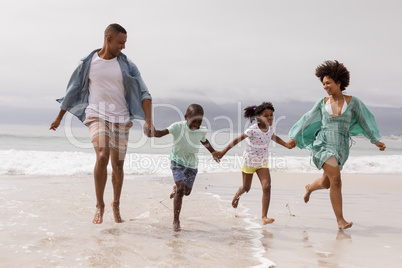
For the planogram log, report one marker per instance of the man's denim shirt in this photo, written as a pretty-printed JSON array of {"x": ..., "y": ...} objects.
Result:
[{"x": 76, "y": 99}]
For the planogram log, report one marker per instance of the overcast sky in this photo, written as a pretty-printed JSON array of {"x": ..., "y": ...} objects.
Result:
[{"x": 220, "y": 50}]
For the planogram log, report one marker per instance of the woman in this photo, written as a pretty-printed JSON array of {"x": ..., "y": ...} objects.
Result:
[{"x": 326, "y": 131}]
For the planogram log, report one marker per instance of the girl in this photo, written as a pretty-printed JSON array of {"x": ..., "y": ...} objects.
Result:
[
  {"x": 255, "y": 158},
  {"x": 326, "y": 130}
]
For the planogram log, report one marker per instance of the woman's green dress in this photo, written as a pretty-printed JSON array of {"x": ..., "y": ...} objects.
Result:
[{"x": 326, "y": 136}]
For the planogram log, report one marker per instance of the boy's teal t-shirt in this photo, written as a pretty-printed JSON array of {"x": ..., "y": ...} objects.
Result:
[{"x": 186, "y": 143}]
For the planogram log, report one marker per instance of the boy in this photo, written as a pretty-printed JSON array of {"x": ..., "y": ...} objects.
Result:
[{"x": 187, "y": 136}]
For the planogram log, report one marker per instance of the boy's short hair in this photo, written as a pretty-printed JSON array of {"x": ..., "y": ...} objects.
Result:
[{"x": 195, "y": 109}]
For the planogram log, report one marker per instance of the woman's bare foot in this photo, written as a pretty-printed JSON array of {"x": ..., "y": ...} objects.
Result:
[
  {"x": 116, "y": 212},
  {"x": 173, "y": 193},
  {"x": 176, "y": 226},
  {"x": 344, "y": 225},
  {"x": 98, "y": 218},
  {"x": 266, "y": 220},
  {"x": 306, "y": 196}
]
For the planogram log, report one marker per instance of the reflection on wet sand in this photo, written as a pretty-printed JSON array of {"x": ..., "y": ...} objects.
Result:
[{"x": 328, "y": 253}]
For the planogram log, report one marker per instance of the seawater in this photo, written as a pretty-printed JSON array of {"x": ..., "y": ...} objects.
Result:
[{"x": 36, "y": 150}]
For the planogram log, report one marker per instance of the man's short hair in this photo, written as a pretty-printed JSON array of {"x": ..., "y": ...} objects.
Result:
[{"x": 114, "y": 28}]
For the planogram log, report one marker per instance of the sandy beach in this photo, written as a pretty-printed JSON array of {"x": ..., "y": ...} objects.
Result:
[{"x": 46, "y": 222}]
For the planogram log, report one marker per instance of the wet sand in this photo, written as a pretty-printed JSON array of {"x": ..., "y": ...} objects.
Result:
[
  {"x": 306, "y": 235},
  {"x": 46, "y": 222}
]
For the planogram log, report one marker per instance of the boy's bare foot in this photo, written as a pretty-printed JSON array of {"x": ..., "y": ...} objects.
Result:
[
  {"x": 173, "y": 193},
  {"x": 116, "y": 212},
  {"x": 235, "y": 201},
  {"x": 344, "y": 225},
  {"x": 98, "y": 218},
  {"x": 266, "y": 220},
  {"x": 307, "y": 194},
  {"x": 176, "y": 226}
]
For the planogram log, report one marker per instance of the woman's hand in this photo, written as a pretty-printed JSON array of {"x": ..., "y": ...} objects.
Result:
[
  {"x": 380, "y": 145},
  {"x": 291, "y": 144}
]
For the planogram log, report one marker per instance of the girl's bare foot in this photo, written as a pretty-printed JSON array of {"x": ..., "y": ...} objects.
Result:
[
  {"x": 307, "y": 194},
  {"x": 173, "y": 193},
  {"x": 176, "y": 226},
  {"x": 116, "y": 212},
  {"x": 235, "y": 201},
  {"x": 344, "y": 225},
  {"x": 98, "y": 218},
  {"x": 266, "y": 220}
]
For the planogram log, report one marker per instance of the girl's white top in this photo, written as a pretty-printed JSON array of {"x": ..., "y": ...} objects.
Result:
[{"x": 256, "y": 153}]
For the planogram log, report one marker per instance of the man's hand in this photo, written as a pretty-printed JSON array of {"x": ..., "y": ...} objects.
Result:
[
  {"x": 55, "y": 124},
  {"x": 149, "y": 129}
]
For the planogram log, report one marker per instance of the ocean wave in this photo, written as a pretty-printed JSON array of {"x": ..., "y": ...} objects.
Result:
[
  {"x": 392, "y": 137},
  {"x": 21, "y": 162}
]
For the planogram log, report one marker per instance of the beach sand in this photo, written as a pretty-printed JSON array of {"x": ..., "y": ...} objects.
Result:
[{"x": 46, "y": 222}]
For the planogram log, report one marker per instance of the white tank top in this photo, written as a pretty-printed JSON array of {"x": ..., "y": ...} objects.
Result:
[{"x": 328, "y": 107}]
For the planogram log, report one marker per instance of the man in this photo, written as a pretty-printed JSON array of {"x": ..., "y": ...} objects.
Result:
[{"x": 106, "y": 92}]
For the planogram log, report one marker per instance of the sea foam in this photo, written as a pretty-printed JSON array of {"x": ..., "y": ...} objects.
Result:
[{"x": 21, "y": 162}]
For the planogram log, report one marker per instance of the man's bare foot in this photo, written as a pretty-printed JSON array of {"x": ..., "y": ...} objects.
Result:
[
  {"x": 176, "y": 226},
  {"x": 98, "y": 218},
  {"x": 266, "y": 220},
  {"x": 116, "y": 212},
  {"x": 344, "y": 225},
  {"x": 173, "y": 193},
  {"x": 307, "y": 194},
  {"x": 235, "y": 201}
]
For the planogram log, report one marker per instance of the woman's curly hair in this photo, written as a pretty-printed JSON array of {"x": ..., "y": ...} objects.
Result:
[
  {"x": 252, "y": 112},
  {"x": 336, "y": 71}
]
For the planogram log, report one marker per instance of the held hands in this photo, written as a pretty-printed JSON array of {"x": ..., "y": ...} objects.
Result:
[
  {"x": 217, "y": 155},
  {"x": 217, "y": 160},
  {"x": 149, "y": 129},
  {"x": 291, "y": 144},
  {"x": 380, "y": 145}
]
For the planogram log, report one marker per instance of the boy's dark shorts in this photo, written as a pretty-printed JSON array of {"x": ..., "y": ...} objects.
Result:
[{"x": 181, "y": 172}]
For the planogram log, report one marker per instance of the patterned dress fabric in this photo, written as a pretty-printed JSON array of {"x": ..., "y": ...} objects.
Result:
[{"x": 256, "y": 153}]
